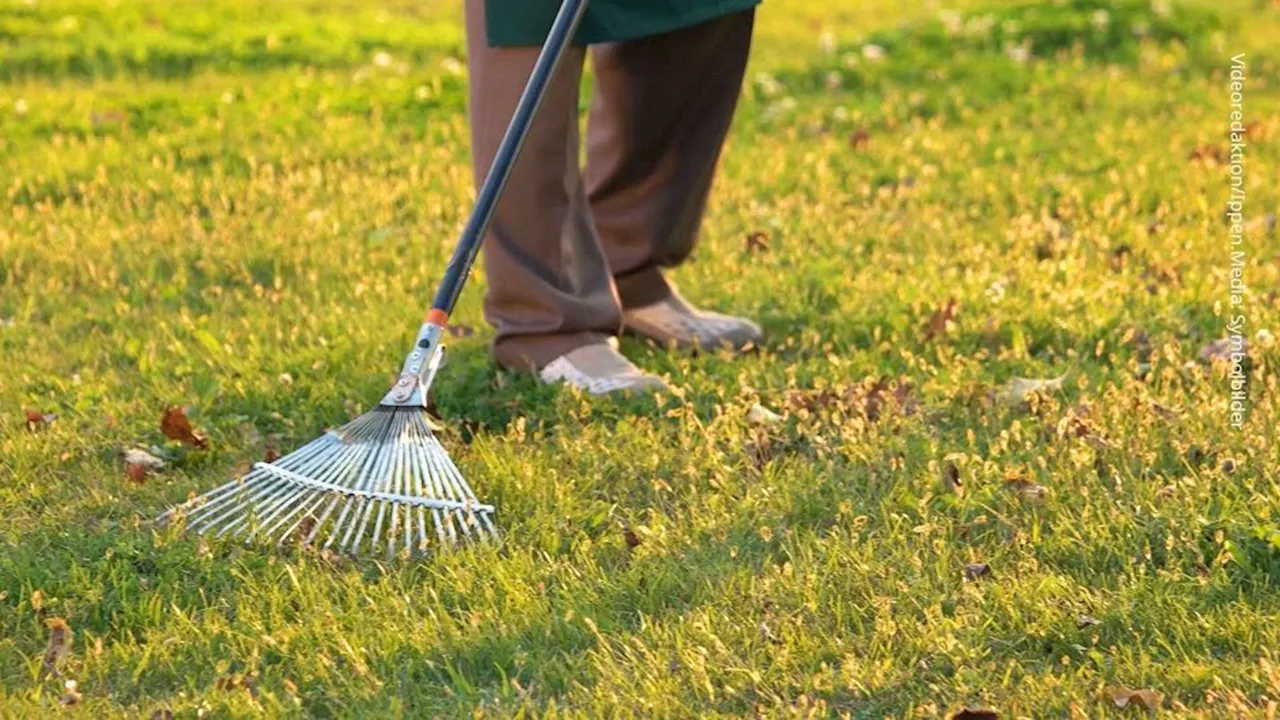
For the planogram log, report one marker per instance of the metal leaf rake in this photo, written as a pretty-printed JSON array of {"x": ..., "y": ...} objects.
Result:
[{"x": 383, "y": 479}]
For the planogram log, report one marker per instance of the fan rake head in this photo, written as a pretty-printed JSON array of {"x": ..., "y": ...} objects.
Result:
[{"x": 382, "y": 479}]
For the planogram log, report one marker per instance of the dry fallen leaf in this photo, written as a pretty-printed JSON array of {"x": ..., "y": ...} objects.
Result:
[
  {"x": 236, "y": 681},
  {"x": 1016, "y": 391},
  {"x": 868, "y": 398},
  {"x": 176, "y": 426},
  {"x": 977, "y": 571},
  {"x": 757, "y": 242},
  {"x": 137, "y": 473},
  {"x": 71, "y": 694},
  {"x": 976, "y": 713},
  {"x": 305, "y": 526},
  {"x": 631, "y": 538},
  {"x": 762, "y": 449},
  {"x": 1026, "y": 489},
  {"x": 761, "y": 415},
  {"x": 951, "y": 478},
  {"x": 1221, "y": 350},
  {"x": 59, "y": 646},
  {"x": 1162, "y": 411},
  {"x": 1121, "y": 253},
  {"x": 859, "y": 139},
  {"x": 1123, "y": 697},
  {"x": 1214, "y": 153},
  {"x": 1074, "y": 424},
  {"x": 940, "y": 322},
  {"x": 138, "y": 456},
  {"x": 37, "y": 419}
]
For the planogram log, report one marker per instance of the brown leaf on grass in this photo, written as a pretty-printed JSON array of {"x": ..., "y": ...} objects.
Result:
[
  {"x": 236, "y": 681},
  {"x": 176, "y": 426},
  {"x": 59, "y": 647},
  {"x": 1123, "y": 697},
  {"x": 37, "y": 419},
  {"x": 632, "y": 540},
  {"x": 940, "y": 322},
  {"x": 1265, "y": 225},
  {"x": 107, "y": 117},
  {"x": 1257, "y": 129},
  {"x": 137, "y": 473},
  {"x": 761, "y": 450},
  {"x": 1159, "y": 275},
  {"x": 1119, "y": 256},
  {"x": 1208, "y": 153},
  {"x": 1074, "y": 425},
  {"x": 71, "y": 694},
  {"x": 951, "y": 478},
  {"x": 1026, "y": 489},
  {"x": 977, "y": 571},
  {"x": 460, "y": 330},
  {"x": 305, "y": 526},
  {"x": 869, "y": 398},
  {"x": 756, "y": 242},
  {"x": 1221, "y": 350},
  {"x": 1164, "y": 412},
  {"x": 859, "y": 139},
  {"x": 975, "y": 713}
]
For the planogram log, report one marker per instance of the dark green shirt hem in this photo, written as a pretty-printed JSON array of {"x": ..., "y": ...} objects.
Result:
[{"x": 524, "y": 23}]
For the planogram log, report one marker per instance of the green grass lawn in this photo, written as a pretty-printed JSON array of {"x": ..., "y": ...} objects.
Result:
[{"x": 242, "y": 208}]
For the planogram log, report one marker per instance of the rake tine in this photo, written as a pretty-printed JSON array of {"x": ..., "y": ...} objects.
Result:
[
  {"x": 391, "y": 484},
  {"x": 438, "y": 490},
  {"x": 323, "y": 472},
  {"x": 351, "y": 544},
  {"x": 366, "y": 467},
  {"x": 425, "y": 488},
  {"x": 443, "y": 464},
  {"x": 204, "y": 509},
  {"x": 332, "y": 472},
  {"x": 400, "y": 486},
  {"x": 272, "y": 493}
]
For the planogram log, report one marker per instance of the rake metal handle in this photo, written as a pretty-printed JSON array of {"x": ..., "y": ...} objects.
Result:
[{"x": 464, "y": 256}]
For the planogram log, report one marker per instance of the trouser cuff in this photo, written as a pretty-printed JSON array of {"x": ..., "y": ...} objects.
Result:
[
  {"x": 531, "y": 353},
  {"x": 642, "y": 288}
]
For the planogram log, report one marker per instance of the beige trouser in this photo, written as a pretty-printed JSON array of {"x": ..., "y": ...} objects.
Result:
[{"x": 570, "y": 248}]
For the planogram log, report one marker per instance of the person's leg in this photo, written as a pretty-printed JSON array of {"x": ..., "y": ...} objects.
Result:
[
  {"x": 661, "y": 111},
  {"x": 550, "y": 290}
]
